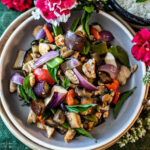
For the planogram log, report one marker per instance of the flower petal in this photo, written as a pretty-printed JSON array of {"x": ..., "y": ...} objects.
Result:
[
  {"x": 145, "y": 34},
  {"x": 53, "y": 3},
  {"x": 134, "y": 51}
]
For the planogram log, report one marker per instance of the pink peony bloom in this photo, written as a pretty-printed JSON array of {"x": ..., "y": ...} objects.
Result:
[
  {"x": 141, "y": 49},
  {"x": 20, "y": 5},
  {"x": 54, "y": 11}
]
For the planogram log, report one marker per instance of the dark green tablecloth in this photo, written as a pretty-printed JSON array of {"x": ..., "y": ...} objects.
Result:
[{"x": 7, "y": 140}]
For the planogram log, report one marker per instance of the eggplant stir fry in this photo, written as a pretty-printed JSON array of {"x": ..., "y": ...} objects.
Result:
[{"x": 71, "y": 79}]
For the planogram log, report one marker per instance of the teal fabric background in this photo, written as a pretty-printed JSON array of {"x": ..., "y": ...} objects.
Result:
[{"x": 7, "y": 140}]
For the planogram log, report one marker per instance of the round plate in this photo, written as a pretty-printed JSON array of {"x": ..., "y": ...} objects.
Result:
[{"x": 106, "y": 133}]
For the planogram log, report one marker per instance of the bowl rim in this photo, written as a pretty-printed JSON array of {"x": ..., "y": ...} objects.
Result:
[
  {"x": 130, "y": 17},
  {"x": 105, "y": 145}
]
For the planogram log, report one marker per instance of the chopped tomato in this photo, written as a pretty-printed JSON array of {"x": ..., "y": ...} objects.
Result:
[
  {"x": 70, "y": 97},
  {"x": 40, "y": 119},
  {"x": 43, "y": 75},
  {"x": 95, "y": 33},
  {"x": 116, "y": 97},
  {"x": 113, "y": 86}
]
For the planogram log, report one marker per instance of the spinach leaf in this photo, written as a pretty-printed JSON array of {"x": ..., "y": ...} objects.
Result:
[
  {"x": 57, "y": 30},
  {"x": 83, "y": 132},
  {"x": 28, "y": 88},
  {"x": 75, "y": 24},
  {"x": 66, "y": 83},
  {"x": 53, "y": 72},
  {"x": 87, "y": 47},
  {"x": 46, "y": 114},
  {"x": 79, "y": 108},
  {"x": 23, "y": 95},
  {"x": 100, "y": 48},
  {"x": 121, "y": 101},
  {"x": 85, "y": 20},
  {"x": 120, "y": 54}
]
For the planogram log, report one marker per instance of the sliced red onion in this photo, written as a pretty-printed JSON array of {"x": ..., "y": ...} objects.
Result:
[
  {"x": 17, "y": 79},
  {"x": 41, "y": 89},
  {"x": 83, "y": 82},
  {"x": 70, "y": 64},
  {"x": 41, "y": 34},
  {"x": 106, "y": 36},
  {"x": 58, "y": 94},
  {"x": 110, "y": 69},
  {"x": 43, "y": 59}
]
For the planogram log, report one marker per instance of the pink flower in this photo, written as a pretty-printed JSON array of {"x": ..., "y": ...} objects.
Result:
[
  {"x": 20, "y": 5},
  {"x": 141, "y": 49},
  {"x": 55, "y": 11}
]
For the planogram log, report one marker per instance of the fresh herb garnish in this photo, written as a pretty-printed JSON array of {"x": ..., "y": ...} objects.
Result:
[
  {"x": 66, "y": 125},
  {"x": 66, "y": 83},
  {"x": 83, "y": 132},
  {"x": 53, "y": 72},
  {"x": 90, "y": 118},
  {"x": 41, "y": 40},
  {"x": 121, "y": 101},
  {"x": 140, "y": 1},
  {"x": 146, "y": 79},
  {"x": 23, "y": 95},
  {"x": 46, "y": 114},
  {"x": 57, "y": 30},
  {"x": 75, "y": 24},
  {"x": 53, "y": 110},
  {"x": 87, "y": 47},
  {"x": 79, "y": 108},
  {"x": 120, "y": 54},
  {"x": 28, "y": 88},
  {"x": 85, "y": 22}
]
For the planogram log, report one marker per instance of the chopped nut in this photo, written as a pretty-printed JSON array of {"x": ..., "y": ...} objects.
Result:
[
  {"x": 101, "y": 89},
  {"x": 107, "y": 98}
]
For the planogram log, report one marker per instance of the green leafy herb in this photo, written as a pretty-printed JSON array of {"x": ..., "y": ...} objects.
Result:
[
  {"x": 54, "y": 62},
  {"x": 75, "y": 24},
  {"x": 28, "y": 88},
  {"x": 120, "y": 54},
  {"x": 100, "y": 48},
  {"x": 85, "y": 20},
  {"x": 66, "y": 125},
  {"x": 23, "y": 95},
  {"x": 53, "y": 72},
  {"x": 90, "y": 118},
  {"x": 57, "y": 30},
  {"x": 146, "y": 79},
  {"x": 87, "y": 47},
  {"x": 121, "y": 101},
  {"x": 89, "y": 9},
  {"x": 66, "y": 83},
  {"x": 46, "y": 114},
  {"x": 41, "y": 40},
  {"x": 83, "y": 132},
  {"x": 140, "y": 1},
  {"x": 79, "y": 108}
]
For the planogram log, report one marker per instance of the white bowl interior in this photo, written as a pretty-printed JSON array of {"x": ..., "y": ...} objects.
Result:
[{"x": 104, "y": 133}]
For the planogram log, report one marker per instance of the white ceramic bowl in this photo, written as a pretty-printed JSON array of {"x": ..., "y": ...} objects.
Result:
[{"x": 107, "y": 132}]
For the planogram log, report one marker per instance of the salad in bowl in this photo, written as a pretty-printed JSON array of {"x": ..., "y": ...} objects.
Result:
[{"x": 71, "y": 79}]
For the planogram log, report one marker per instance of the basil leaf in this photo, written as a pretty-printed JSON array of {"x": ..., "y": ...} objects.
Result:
[
  {"x": 140, "y": 1},
  {"x": 66, "y": 83},
  {"x": 46, "y": 114},
  {"x": 75, "y": 24},
  {"x": 87, "y": 47},
  {"x": 83, "y": 132},
  {"x": 66, "y": 125},
  {"x": 120, "y": 54},
  {"x": 121, "y": 101},
  {"x": 79, "y": 108},
  {"x": 57, "y": 30},
  {"x": 23, "y": 95},
  {"x": 100, "y": 48},
  {"x": 53, "y": 72},
  {"x": 90, "y": 118},
  {"x": 28, "y": 88},
  {"x": 85, "y": 20}
]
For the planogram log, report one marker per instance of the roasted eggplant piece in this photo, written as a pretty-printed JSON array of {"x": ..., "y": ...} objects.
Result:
[
  {"x": 41, "y": 89},
  {"x": 50, "y": 122},
  {"x": 49, "y": 131},
  {"x": 31, "y": 117},
  {"x": 74, "y": 41},
  {"x": 27, "y": 56},
  {"x": 20, "y": 59},
  {"x": 37, "y": 107},
  {"x": 59, "y": 117},
  {"x": 69, "y": 135}
]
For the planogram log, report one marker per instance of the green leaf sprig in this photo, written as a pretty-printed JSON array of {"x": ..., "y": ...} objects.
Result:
[
  {"x": 87, "y": 47},
  {"x": 75, "y": 24},
  {"x": 66, "y": 83},
  {"x": 79, "y": 108}
]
